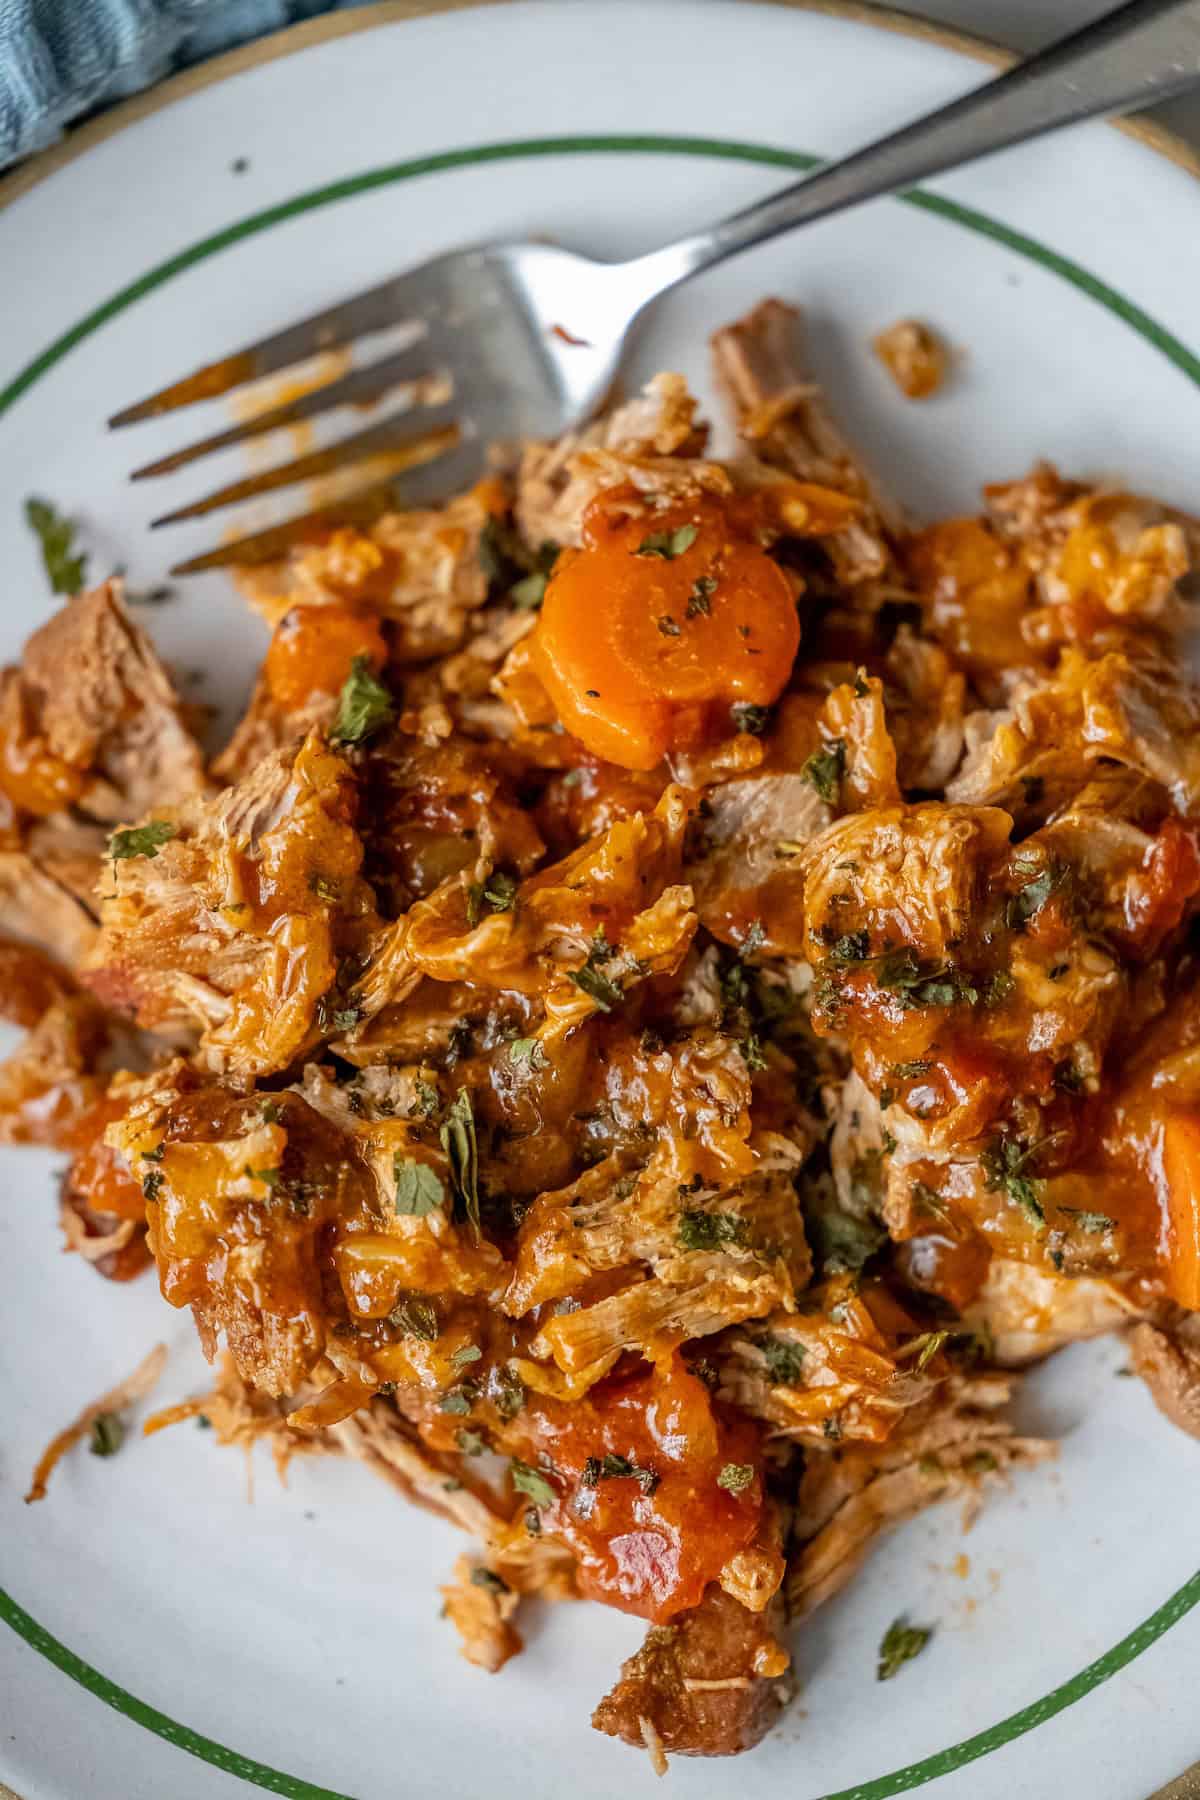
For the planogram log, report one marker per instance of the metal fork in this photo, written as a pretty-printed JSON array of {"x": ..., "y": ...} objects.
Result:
[{"x": 528, "y": 337}]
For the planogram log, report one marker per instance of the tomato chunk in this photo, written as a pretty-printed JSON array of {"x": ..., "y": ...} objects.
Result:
[{"x": 649, "y": 1541}]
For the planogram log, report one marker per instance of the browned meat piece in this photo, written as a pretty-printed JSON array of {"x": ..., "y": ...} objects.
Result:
[
  {"x": 92, "y": 689},
  {"x": 759, "y": 364},
  {"x": 711, "y": 1683},
  {"x": 1168, "y": 1361}
]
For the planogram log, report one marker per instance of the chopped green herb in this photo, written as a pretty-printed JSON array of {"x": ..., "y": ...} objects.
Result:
[
  {"x": 824, "y": 770},
  {"x": 458, "y": 1399},
  {"x": 998, "y": 987},
  {"x": 844, "y": 1243},
  {"x": 668, "y": 626},
  {"x": 140, "y": 840},
  {"x": 700, "y": 598},
  {"x": 910, "y": 1071},
  {"x": 924, "y": 1348},
  {"x": 530, "y": 591},
  {"x": 468, "y": 1354},
  {"x": 918, "y": 985},
  {"x": 470, "y": 1442},
  {"x": 710, "y": 1230},
  {"x": 752, "y": 1053},
  {"x": 345, "y": 1018},
  {"x": 1029, "y": 901},
  {"x": 56, "y": 536},
  {"x": 667, "y": 545},
  {"x": 108, "y": 1434},
  {"x": 152, "y": 1182},
  {"x": 270, "y": 1178},
  {"x": 419, "y": 1189},
  {"x": 425, "y": 1102},
  {"x": 1004, "y": 1162},
  {"x": 488, "y": 1578},
  {"x": 364, "y": 705},
  {"x": 861, "y": 685},
  {"x": 594, "y": 982},
  {"x": 203, "y": 1422},
  {"x": 785, "y": 1360},
  {"x": 750, "y": 718},
  {"x": 532, "y": 1483},
  {"x": 754, "y": 939},
  {"x": 528, "y": 1051},
  {"x": 415, "y": 1318},
  {"x": 851, "y": 947},
  {"x": 1089, "y": 1221},
  {"x": 323, "y": 888},
  {"x": 614, "y": 1468},
  {"x": 980, "y": 1462},
  {"x": 458, "y": 1141},
  {"x": 507, "y": 1393},
  {"x": 268, "y": 1112},
  {"x": 900, "y": 1644},
  {"x": 887, "y": 1097},
  {"x": 735, "y": 1478}
]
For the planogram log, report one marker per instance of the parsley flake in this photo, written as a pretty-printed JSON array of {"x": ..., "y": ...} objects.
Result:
[
  {"x": 140, "y": 840},
  {"x": 1004, "y": 1163},
  {"x": 700, "y": 598},
  {"x": 1088, "y": 1221},
  {"x": 667, "y": 545},
  {"x": 532, "y": 1483},
  {"x": 735, "y": 1478},
  {"x": 415, "y": 1318},
  {"x": 785, "y": 1360},
  {"x": 668, "y": 626},
  {"x": 419, "y": 1189},
  {"x": 824, "y": 770},
  {"x": 528, "y": 1051},
  {"x": 56, "y": 535},
  {"x": 710, "y": 1230},
  {"x": 750, "y": 718},
  {"x": 900, "y": 1644},
  {"x": 459, "y": 1142},
  {"x": 107, "y": 1435},
  {"x": 364, "y": 705}
]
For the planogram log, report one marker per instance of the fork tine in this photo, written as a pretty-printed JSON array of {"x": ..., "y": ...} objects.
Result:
[
  {"x": 360, "y": 506},
  {"x": 399, "y": 438},
  {"x": 372, "y": 311},
  {"x": 359, "y": 388}
]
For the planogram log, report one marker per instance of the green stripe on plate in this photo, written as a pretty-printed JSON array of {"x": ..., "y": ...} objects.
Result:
[
  {"x": 913, "y": 1775},
  {"x": 726, "y": 149}
]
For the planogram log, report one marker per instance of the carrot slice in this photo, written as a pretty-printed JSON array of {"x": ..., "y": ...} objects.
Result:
[
  {"x": 1181, "y": 1162},
  {"x": 659, "y": 626}
]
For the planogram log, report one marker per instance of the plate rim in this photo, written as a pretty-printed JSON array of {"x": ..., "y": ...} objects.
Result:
[{"x": 274, "y": 47}]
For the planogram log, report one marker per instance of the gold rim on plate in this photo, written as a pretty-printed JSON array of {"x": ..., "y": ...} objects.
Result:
[{"x": 324, "y": 30}]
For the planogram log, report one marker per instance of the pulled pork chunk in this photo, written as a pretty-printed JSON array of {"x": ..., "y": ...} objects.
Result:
[
  {"x": 91, "y": 718},
  {"x": 781, "y": 413},
  {"x": 1168, "y": 1360},
  {"x": 950, "y": 1446},
  {"x": 233, "y": 914}
]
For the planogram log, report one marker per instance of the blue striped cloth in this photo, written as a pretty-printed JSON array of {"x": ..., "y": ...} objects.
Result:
[{"x": 60, "y": 59}]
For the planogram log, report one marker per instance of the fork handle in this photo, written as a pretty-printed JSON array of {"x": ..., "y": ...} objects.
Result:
[{"x": 1141, "y": 53}]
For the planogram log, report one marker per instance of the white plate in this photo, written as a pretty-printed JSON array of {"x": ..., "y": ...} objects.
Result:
[{"x": 295, "y": 1643}]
